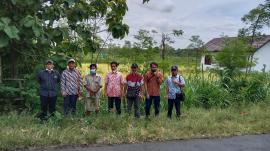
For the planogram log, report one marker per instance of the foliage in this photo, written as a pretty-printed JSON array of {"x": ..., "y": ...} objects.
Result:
[
  {"x": 233, "y": 55},
  {"x": 145, "y": 40},
  {"x": 34, "y": 28}
]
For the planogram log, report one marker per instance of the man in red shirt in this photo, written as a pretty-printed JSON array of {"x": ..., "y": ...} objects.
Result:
[
  {"x": 153, "y": 79},
  {"x": 133, "y": 88}
]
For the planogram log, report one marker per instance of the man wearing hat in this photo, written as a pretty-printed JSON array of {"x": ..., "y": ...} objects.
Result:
[
  {"x": 71, "y": 86},
  {"x": 174, "y": 85},
  {"x": 48, "y": 80},
  {"x": 92, "y": 85},
  {"x": 133, "y": 88}
]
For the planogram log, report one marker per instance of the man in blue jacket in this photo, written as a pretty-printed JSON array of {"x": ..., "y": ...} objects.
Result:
[{"x": 48, "y": 80}]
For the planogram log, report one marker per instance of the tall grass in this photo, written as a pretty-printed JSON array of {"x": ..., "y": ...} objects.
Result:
[{"x": 24, "y": 131}]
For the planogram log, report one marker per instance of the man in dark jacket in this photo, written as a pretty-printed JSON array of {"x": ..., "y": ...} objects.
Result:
[{"x": 48, "y": 80}]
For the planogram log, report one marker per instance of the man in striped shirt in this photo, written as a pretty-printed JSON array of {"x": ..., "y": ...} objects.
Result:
[{"x": 71, "y": 87}]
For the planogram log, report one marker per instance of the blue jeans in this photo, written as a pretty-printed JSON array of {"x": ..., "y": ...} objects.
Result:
[
  {"x": 70, "y": 104},
  {"x": 148, "y": 103}
]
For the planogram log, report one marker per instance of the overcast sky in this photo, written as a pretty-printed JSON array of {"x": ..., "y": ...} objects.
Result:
[{"x": 206, "y": 18}]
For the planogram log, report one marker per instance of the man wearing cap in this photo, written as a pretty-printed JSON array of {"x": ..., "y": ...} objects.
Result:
[
  {"x": 92, "y": 85},
  {"x": 174, "y": 85},
  {"x": 114, "y": 83},
  {"x": 48, "y": 80},
  {"x": 153, "y": 79},
  {"x": 71, "y": 87},
  {"x": 133, "y": 88}
]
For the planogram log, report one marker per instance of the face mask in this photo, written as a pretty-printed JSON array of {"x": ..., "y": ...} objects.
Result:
[{"x": 92, "y": 71}]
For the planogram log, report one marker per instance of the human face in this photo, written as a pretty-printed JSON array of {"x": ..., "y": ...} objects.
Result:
[
  {"x": 134, "y": 69},
  {"x": 113, "y": 67},
  {"x": 49, "y": 66},
  {"x": 154, "y": 68},
  {"x": 71, "y": 65},
  {"x": 93, "y": 70},
  {"x": 174, "y": 72}
]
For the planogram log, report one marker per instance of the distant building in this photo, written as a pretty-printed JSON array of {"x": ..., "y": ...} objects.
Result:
[{"x": 262, "y": 53}]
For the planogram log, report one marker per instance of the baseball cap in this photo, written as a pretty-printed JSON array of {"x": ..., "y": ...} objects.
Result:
[
  {"x": 71, "y": 60},
  {"x": 174, "y": 68},
  {"x": 134, "y": 65},
  {"x": 49, "y": 61}
]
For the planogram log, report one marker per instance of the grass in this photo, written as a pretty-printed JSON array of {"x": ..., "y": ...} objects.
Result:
[{"x": 25, "y": 131}]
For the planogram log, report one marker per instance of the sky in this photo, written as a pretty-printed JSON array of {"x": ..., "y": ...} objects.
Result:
[{"x": 206, "y": 18}]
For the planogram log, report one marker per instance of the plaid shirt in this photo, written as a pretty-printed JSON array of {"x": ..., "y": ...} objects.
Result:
[{"x": 71, "y": 82}]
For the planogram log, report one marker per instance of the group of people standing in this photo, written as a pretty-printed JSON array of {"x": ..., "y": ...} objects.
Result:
[{"x": 134, "y": 87}]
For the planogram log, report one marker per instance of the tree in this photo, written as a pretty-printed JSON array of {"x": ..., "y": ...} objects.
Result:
[
  {"x": 166, "y": 38},
  {"x": 233, "y": 55},
  {"x": 31, "y": 28},
  {"x": 256, "y": 19},
  {"x": 197, "y": 44},
  {"x": 144, "y": 39}
]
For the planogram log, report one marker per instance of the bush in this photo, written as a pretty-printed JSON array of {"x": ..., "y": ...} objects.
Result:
[{"x": 206, "y": 94}]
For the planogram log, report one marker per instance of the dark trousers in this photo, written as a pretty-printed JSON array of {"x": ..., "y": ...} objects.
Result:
[
  {"x": 47, "y": 103},
  {"x": 148, "y": 103},
  {"x": 117, "y": 102},
  {"x": 176, "y": 103},
  {"x": 136, "y": 102},
  {"x": 70, "y": 104}
]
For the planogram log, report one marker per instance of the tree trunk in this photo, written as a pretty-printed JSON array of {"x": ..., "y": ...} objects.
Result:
[
  {"x": 196, "y": 66},
  {"x": 1, "y": 75},
  {"x": 163, "y": 47},
  {"x": 13, "y": 62}
]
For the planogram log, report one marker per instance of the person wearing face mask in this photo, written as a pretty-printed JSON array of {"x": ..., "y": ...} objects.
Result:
[
  {"x": 114, "y": 83},
  {"x": 71, "y": 87},
  {"x": 48, "y": 80},
  {"x": 92, "y": 85},
  {"x": 152, "y": 79}
]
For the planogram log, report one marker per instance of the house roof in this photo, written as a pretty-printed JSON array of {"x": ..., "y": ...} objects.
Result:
[{"x": 217, "y": 44}]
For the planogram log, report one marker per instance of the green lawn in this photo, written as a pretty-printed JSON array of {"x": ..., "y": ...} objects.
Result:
[{"x": 24, "y": 131}]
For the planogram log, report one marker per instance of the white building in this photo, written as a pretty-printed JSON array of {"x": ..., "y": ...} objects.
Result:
[{"x": 261, "y": 56}]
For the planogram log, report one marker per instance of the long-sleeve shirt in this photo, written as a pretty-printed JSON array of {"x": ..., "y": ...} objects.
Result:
[
  {"x": 153, "y": 82},
  {"x": 48, "y": 81},
  {"x": 71, "y": 82}
]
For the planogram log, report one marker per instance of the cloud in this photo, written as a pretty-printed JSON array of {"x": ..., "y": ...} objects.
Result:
[
  {"x": 165, "y": 6},
  {"x": 207, "y": 18}
]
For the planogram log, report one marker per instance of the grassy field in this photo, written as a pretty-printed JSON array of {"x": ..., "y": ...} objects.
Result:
[{"x": 25, "y": 131}]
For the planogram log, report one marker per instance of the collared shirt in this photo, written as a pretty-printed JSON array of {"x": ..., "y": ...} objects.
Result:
[
  {"x": 113, "y": 82},
  {"x": 94, "y": 81},
  {"x": 173, "y": 88},
  {"x": 134, "y": 81},
  {"x": 71, "y": 82},
  {"x": 153, "y": 83},
  {"x": 48, "y": 82}
]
